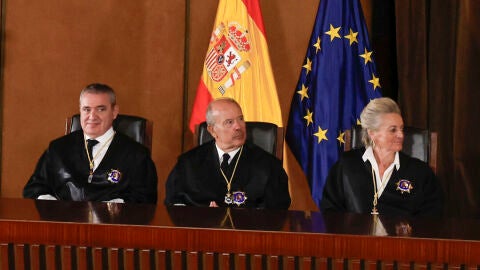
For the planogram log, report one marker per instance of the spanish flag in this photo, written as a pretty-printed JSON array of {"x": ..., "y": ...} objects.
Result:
[{"x": 237, "y": 65}]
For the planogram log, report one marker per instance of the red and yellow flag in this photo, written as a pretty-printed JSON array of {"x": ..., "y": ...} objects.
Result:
[{"x": 237, "y": 65}]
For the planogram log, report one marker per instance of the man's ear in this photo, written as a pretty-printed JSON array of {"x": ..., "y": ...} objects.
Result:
[
  {"x": 116, "y": 109},
  {"x": 211, "y": 131}
]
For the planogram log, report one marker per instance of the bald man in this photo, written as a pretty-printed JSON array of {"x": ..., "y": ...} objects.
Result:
[{"x": 228, "y": 171}]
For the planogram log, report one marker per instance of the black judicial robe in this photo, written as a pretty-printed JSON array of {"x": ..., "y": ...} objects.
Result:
[
  {"x": 349, "y": 188},
  {"x": 126, "y": 171},
  {"x": 196, "y": 178}
]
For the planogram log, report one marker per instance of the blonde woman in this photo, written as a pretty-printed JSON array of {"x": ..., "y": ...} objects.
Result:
[{"x": 380, "y": 178}]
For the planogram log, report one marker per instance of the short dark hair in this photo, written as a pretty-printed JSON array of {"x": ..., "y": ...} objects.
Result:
[{"x": 99, "y": 88}]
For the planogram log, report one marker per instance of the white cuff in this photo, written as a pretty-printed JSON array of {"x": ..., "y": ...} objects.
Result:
[
  {"x": 116, "y": 200},
  {"x": 46, "y": 197}
]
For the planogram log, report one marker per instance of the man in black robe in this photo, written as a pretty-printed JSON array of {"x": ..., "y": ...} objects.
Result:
[
  {"x": 228, "y": 171},
  {"x": 95, "y": 163}
]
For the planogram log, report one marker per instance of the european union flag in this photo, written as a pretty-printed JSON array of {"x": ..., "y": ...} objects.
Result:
[{"x": 337, "y": 80}]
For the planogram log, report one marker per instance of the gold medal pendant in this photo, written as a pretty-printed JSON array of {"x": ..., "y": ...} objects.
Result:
[
  {"x": 228, "y": 198},
  {"x": 90, "y": 178},
  {"x": 404, "y": 185},
  {"x": 90, "y": 175},
  {"x": 239, "y": 198}
]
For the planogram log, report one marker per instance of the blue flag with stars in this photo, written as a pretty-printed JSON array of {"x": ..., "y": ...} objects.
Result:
[{"x": 338, "y": 78}]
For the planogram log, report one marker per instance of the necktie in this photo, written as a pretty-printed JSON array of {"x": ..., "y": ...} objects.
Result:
[
  {"x": 224, "y": 164},
  {"x": 90, "y": 145}
]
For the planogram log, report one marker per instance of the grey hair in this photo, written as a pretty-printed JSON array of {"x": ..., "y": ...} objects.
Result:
[
  {"x": 209, "y": 115},
  {"x": 370, "y": 116},
  {"x": 98, "y": 88}
]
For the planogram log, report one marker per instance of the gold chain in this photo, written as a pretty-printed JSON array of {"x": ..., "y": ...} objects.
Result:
[
  {"x": 91, "y": 160},
  {"x": 375, "y": 194},
  {"x": 229, "y": 182},
  {"x": 228, "y": 217}
]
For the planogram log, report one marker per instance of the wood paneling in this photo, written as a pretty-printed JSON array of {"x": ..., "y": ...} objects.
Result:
[
  {"x": 302, "y": 241},
  {"x": 54, "y": 48}
]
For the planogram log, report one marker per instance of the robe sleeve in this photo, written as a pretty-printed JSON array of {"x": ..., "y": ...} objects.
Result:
[
  {"x": 38, "y": 183},
  {"x": 432, "y": 204},
  {"x": 333, "y": 198},
  {"x": 143, "y": 182},
  {"x": 277, "y": 195}
]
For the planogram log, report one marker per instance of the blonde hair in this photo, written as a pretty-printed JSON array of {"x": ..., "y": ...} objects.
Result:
[{"x": 370, "y": 116}]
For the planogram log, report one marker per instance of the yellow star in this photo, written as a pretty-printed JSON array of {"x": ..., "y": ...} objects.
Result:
[
  {"x": 303, "y": 92},
  {"x": 308, "y": 65},
  {"x": 308, "y": 117},
  {"x": 321, "y": 134},
  {"x": 352, "y": 36},
  {"x": 333, "y": 32},
  {"x": 341, "y": 137},
  {"x": 358, "y": 122},
  {"x": 317, "y": 45},
  {"x": 375, "y": 81},
  {"x": 367, "y": 56}
]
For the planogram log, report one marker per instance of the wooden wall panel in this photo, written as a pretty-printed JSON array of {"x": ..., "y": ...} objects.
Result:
[{"x": 54, "y": 48}]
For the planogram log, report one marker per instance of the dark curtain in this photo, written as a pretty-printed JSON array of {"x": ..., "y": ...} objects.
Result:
[{"x": 438, "y": 57}]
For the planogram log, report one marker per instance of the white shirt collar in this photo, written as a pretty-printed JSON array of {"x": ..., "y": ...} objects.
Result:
[
  {"x": 381, "y": 183},
  {"x": 221, "y": 152},
  {"x": 368, "y": 155},
  {"x": 103, "y": 138}
]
